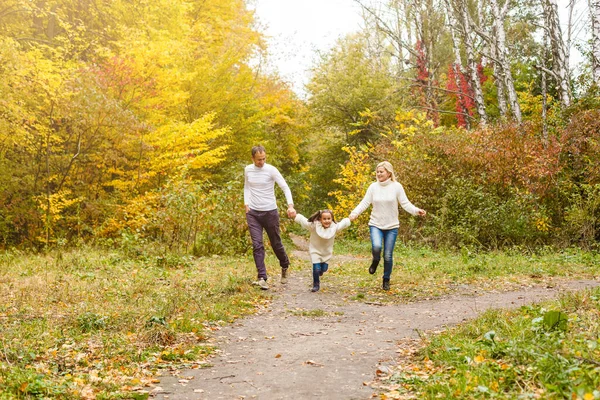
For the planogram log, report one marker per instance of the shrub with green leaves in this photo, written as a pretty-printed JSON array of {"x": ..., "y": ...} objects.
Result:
[{"x": 540, "y": 351}]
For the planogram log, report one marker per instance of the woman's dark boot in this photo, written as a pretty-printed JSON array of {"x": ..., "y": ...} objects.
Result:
[
  {"x": 386, "y": 284},
  {"x": 373, "y": 267}
]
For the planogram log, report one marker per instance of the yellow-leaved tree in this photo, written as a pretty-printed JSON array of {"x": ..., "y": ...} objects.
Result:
[{"x": 355, "y": 177}]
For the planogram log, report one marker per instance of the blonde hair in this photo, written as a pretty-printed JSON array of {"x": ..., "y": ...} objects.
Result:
[{"x": 388, "y": 167}]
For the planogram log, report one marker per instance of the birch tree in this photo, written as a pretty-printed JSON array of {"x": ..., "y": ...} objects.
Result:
[
  {"x": 501, "y": 53},
  {"x": 595, "y": 13},
  {"x": 560, "y": 70},
  {"x": 465, "y": 24},
  {"x": 413, "y": 29},
  {"x": 457, "y": 66}
]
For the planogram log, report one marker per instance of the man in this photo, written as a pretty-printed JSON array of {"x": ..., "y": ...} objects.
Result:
[{"x": 261, "y": 212}]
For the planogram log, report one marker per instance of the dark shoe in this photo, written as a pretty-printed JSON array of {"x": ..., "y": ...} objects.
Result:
[
  {"x": 284, "y": 275},
  {"x": 373, "y": 267},
  {"x": 315, "y": 288},
  {"x": 386, "y": 284}
]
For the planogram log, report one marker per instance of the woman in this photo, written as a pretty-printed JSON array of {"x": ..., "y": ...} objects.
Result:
[{"x": 385, "y": 194}]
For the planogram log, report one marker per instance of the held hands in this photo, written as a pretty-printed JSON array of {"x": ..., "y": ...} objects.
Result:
[
  {"x": 421, "y": 213},
  {"x": 291, "y": 211},
  {"x": 352, "y": 217}
]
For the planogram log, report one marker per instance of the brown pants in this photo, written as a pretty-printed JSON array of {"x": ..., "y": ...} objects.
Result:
[{"x": 269, "y": 221}]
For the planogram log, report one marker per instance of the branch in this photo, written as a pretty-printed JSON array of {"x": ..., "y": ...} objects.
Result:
[
  {"x": 444, "y": 111},
  {"x": 30, "y": 39},
  {"x": 546, "y": 70},
  {"x": 388, "y": 30}
]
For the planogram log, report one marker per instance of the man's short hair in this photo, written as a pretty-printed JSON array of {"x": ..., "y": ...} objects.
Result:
[{"x": 258, "y": 149}]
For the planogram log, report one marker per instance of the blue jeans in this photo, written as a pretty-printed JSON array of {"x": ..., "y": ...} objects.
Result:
[
  {"x": 318, "y": 270},
  {"x": 384, "y": 239}
]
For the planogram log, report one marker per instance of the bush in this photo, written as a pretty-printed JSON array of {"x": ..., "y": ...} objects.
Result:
[
  {"x": 582, "y": 219},
  {"x": 470, "y": 214}
]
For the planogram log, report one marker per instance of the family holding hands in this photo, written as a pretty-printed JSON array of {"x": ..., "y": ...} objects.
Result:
[{"x": 384, "y": 195}]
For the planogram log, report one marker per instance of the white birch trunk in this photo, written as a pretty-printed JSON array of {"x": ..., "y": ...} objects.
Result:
[
  {"x": 559, "y": 52},
  {"x": 544, "y": 91},
  {"x": 502, "y": 54},
  {"x": 458, "y": 66},
  {"x": 500, "y": 92},
  {"x": 595, "y": 14},
  {"x": 472, "y": 63}
]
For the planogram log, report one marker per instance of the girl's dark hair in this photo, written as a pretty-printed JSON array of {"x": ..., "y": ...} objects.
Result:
[{"x": 317, "y": 216}]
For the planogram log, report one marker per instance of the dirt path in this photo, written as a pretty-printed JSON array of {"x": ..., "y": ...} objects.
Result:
[{"x": 308, "y": 345}]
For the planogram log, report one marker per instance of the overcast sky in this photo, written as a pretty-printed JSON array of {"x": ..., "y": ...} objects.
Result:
[{"x": 299, "y": 28}]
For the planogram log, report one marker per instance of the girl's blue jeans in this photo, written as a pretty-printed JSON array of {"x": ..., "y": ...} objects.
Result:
[
  {"x": 384, "y": 239},
  {"x": 318, "y": 270}
]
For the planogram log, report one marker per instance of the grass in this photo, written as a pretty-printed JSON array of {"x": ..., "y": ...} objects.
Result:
[
  {"x": 101, "y": 323},
  {"x": 93, "y": 322},
  {"x": 423, "y": 273},
  {"x": 549, "y": 351}
]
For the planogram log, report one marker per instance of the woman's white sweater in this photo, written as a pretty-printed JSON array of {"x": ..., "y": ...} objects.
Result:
[
  {"x": 321, "y": 239},
  {"x": 385, "y": 197}
]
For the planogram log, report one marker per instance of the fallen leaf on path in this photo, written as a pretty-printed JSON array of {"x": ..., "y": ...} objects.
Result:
[
  {"x": 383, "y": 370},
  {"x": 278, "y": 356},
  {"x": 311, "y": 362}
]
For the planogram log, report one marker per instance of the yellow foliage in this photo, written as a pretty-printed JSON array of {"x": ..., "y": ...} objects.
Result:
[
  {"x": 56, "y": 203},
  {"x": 180, "y": 145},
  {"x": 355, "y": 177}
]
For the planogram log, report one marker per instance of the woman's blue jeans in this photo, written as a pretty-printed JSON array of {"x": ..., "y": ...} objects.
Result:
[{"x": 384, "y": 239}]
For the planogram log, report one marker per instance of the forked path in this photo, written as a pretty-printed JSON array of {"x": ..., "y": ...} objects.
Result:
[{"x": 318, "y": 345}]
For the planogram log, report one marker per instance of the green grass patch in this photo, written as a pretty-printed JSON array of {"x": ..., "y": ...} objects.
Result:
[
  {"x": 549, "y": 351},
  {"x": 88, "y": 322},
  {"x": 421, "y": 273}
]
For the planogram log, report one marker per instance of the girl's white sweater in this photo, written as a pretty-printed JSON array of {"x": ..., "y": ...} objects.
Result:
[
  {"x": 385, "y": 197},
  {"x": 321, "y": 240}
]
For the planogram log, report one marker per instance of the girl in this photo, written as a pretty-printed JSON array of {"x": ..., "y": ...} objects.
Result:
[
  {"x": 385, "y": 194},
  {"x": 323, "y": 228}
]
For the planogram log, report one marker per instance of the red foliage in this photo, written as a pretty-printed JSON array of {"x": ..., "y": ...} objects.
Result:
[
  {"x": 481, "y": 73},
  {"x": 581, "y": 140},
  {"x": 423, "y": 82},
  {"x": 463, "y": 94},
  {"x": 513, "y": 156}
]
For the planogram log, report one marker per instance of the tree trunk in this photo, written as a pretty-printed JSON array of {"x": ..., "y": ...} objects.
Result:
[
  {"x": 502, "y": 54},
  {"x": 544, "y": 91},
  {"x": 458, "y": 66},
  {"x": 595, "y": 13},
  {"x": 559, "y": 52},
  {"x": 472, "y": 62}
]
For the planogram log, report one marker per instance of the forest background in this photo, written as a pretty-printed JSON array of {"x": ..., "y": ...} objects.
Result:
[
  {"x": 124, "y": 121},
  {"x": 125, "y": 127}
]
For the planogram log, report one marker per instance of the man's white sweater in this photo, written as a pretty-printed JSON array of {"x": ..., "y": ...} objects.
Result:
[
  {"x": 321, "y": 240},
  {"x": 259, "y": 187},
  {"x": 385, "y": 198}
]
